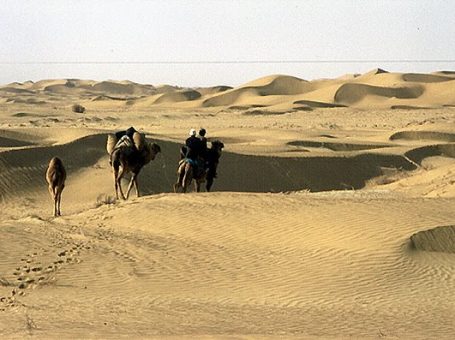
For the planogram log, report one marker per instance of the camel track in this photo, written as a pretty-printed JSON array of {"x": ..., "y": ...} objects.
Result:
[{"x": 237, "y": 273}]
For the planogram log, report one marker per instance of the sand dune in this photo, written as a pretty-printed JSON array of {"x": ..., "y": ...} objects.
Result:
[
  {"x": 126, "y": 89},
  {"x": 281, "y": 93},
  {"x": 424, "y": 135},
  {"x": 312, "y": 103},
  {"x": 212, "y": 90},
  {"x": 331, "y": 215},
  {"x": 439, "y": 239},
  {"x": 273, "y": 85},
  {"x": 8, "y": 142},
  {"x": 425, "y": 78},
  {"x": 179, "y": 96},
  {"x": 349, "y": 94},
  {"x": 16, "y": 90}
]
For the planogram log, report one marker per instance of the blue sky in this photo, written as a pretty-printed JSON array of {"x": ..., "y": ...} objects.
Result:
[{"x": 112, "y": 39}]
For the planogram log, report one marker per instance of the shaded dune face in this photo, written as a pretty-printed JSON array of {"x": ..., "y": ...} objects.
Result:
[
  {"x": 179, "y": 96},
  {"x": 439, "y": 239},
  {"x": 27, "y": 166},
  {"x": 316, "y": 104},
  {"x": 11, "y": 142},
  {"x": 425, "y": 78},
  {"x": 338, "y": 146},
  {"x": 243, "y": 173},
  {"x": 351, "y": 93},
  {"x": 419, "y": 154},
  {"x": 424, "y": 135}
]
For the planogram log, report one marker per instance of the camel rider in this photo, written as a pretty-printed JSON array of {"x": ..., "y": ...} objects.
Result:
[
  {"x": 203, "y": 140},
  {"x": 125, "y": 137},
  {"x": 128, "y": 132},
  {"x": 192, "y": 150},
  {"x": 193, "y": 145}
]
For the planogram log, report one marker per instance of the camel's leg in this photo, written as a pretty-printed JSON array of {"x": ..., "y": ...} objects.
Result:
[
  {"x": 118, "y": 183},
  {"x": 130, "y": 186},
  {"x": 180, "y": 175},
  {"x": 51, "y": 191},
  {"x": 55, "y": 197},
  {"x": 115, "y": 181},
  {"x": 197, "y": 186},
  {"x": 59, "y": 193},
  {"x": 55, "y": 207},
  {"x": 136, "y": 185},
  {"x": 56, "y": 201},
  {"x": 209, "y": 183},
  {"x": 187, "y": 178}
]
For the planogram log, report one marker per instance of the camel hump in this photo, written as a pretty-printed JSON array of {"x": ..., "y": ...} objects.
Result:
[
  {"x": 55, "y": 171},
  {"x": 56, "y": 164},
  {"x": 139, "y": 140},
  {"x": 111, "y": 142}
]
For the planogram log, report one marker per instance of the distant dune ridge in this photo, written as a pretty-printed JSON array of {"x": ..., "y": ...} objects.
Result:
[{"x": 277, "y": 93}]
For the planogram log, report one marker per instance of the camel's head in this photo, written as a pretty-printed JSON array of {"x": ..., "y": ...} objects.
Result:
[
  {"x": 150, "y": 152},
  {"x": 217, "y": 145},
  {"x": 155, "y": 148}
]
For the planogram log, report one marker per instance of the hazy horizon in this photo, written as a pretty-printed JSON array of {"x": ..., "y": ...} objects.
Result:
[{"x": 159, "y": 42}]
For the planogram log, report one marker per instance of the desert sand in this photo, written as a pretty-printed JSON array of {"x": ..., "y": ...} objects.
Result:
[{"x": 332, "y": 215}]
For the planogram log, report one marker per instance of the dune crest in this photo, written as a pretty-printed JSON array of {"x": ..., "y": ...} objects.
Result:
[
  {"x": 349, "y": 94},
  {"x": 377, "y": 88}
]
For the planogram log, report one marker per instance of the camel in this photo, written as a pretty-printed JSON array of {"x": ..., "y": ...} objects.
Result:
[
  {"x": 129, "y": 157},
  {"x": 55, "y": 177},
  {"x": 185, "y": 171}
]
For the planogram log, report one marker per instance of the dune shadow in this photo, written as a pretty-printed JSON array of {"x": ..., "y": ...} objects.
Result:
[
  {"x": 317, "y": 104},
  {"x": 418, "y": 154},
  {"x": 439, "y": 239},
  {"x": 337, "y": 146},
  {"x": 247, "y": 173},
  {"x": 424, "y": 135},
  {"x": 6, "y": 142},
  {"x": 24, "y": 169}
]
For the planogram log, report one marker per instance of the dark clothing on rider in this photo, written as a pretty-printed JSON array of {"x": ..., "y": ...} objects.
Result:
[
  {"x": 203, "y": 147},
  {"x": 129, "y": 132},
  {"x": 204, "y": 151},
  {"x": 193, "y": 145},
  {"x": 120, "y": 134}
]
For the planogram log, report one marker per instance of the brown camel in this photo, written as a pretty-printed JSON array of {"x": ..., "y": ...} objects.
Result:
[
  {"x": 131, "y": 158},
  {"x": 186, "y": 173},
  {"x": 55, "y": 177}
]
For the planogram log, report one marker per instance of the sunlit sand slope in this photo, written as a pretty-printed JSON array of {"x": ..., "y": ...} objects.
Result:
[
  {"x": 228, "y": 264},
  {"x": 276, "y": 93}
]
